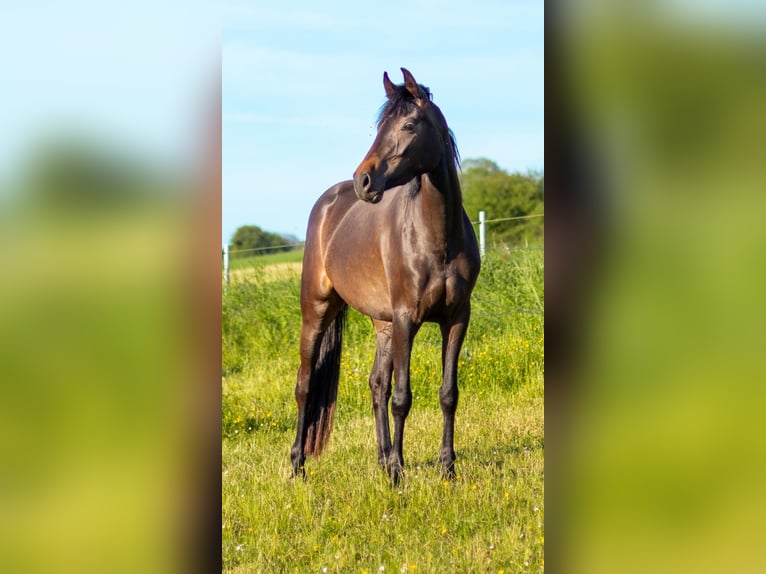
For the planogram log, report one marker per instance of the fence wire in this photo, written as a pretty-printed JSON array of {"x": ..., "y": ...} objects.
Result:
[
  {"x": 253, "y": 249},
  {"x": 497, "y": 220}
]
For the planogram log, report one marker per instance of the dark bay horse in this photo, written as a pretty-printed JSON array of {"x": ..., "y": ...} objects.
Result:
[{"x": 395, "y": 244}]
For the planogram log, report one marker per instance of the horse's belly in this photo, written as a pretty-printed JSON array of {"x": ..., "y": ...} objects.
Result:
[
  {"x": 362, "y": 288},
  {"x": 367, "y": 304}
]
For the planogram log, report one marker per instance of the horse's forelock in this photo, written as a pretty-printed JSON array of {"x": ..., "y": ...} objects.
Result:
[{"x": 401, "y": 101}]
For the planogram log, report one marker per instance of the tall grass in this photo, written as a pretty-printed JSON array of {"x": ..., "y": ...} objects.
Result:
[{"x": 346, "y": 517}]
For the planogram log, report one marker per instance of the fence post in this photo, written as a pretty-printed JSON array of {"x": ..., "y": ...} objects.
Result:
[
  {"x": 482, "y": 224},
  {"x": 226, "y": 263}
]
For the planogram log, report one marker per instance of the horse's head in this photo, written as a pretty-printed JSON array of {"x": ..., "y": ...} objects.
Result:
[{"x": 410, "y": 140}]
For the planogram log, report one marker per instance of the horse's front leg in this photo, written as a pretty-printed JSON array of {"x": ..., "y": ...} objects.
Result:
[
  {"x": 452, "y": 340},
  {"x": 380, "y": 388},
  {"x": 404, "y": 331}
]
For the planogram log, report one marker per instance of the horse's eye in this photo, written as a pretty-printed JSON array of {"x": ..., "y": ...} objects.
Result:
[{"x": 408, "y": 127}]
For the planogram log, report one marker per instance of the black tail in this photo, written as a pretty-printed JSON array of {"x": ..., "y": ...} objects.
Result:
[{"x": 320, "y": 406}]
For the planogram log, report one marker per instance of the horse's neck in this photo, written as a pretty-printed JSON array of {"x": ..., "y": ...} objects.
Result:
[{"x": 442, "y": 205}]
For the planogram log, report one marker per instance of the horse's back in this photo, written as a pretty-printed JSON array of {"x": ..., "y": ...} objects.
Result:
[
  {"x": 325, "y": 217},
  {"x": 330, "y": 207}
]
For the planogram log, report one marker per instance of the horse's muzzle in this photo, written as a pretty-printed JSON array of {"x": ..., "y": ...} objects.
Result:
[{"x": 364, "y": 188}]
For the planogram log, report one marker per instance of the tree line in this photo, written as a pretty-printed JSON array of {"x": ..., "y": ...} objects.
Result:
[
  {"x": 486, "y": 187},
  {"x": 249, "y": 240}
]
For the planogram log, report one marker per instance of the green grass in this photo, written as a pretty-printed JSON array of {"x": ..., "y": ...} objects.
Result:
[{"x": 346, "y": 517}]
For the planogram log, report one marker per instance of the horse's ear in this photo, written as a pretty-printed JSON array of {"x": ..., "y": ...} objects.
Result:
[
  {"x": 411, "y": 85},
  {"x": 388, "y": 85}
]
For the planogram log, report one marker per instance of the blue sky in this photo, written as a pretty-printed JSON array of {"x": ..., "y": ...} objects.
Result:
[{"x": 302, "y": 85}]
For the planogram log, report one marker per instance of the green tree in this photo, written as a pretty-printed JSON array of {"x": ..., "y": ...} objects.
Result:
[
  {"x": 248, "y": 238},
  {"x": 501, "y": 194}
]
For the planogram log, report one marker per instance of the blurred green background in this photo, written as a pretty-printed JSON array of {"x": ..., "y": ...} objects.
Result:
[
  {"x": 95, "y": 353},
  {"x": 109, "y": 160},
  {"x": 660, "y": 459}
]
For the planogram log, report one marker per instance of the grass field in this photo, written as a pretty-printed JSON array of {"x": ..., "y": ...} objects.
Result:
[
  {"x": 294, "y": 256},
  {"x": 346, "y": 517}
]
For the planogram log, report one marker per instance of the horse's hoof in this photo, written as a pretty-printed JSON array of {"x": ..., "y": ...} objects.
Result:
[
  {"x": 447, "y": 459},
  {"x": 395, "y": 472}
]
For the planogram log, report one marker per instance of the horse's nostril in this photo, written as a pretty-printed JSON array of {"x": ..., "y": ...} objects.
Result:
[{"x": 366, "y": 181}]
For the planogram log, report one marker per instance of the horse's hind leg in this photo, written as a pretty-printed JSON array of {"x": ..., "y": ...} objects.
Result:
[
  {"x": 310, "y": 337},
  {"x": 316, "y": 318},
  {"x": 380, "y": 387},
  {"x": 297, "y": 454},
  {"x": 452, "y": 340}
]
